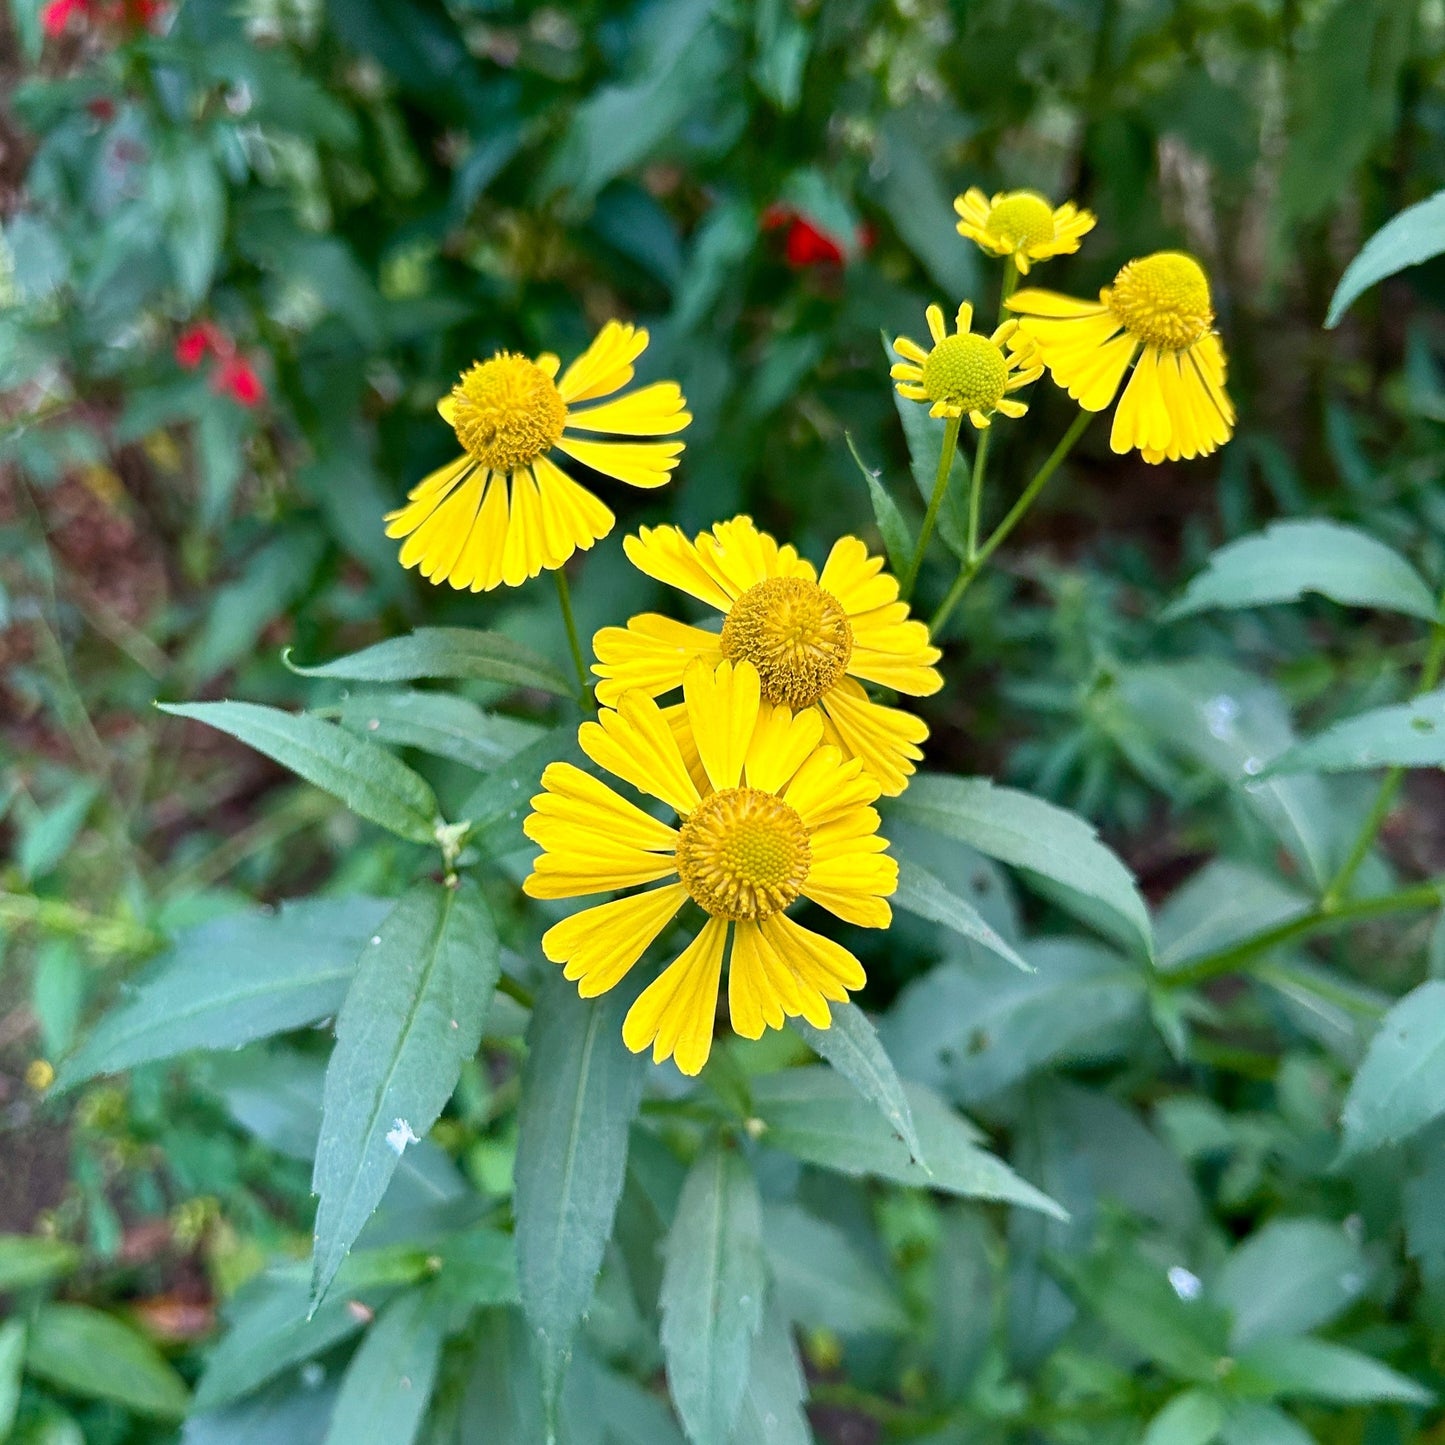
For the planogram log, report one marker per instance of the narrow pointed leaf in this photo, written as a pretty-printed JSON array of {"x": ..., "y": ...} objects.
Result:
[
  {"x": 93, "y": 1354},
  {"x": 772, "y": 1409},
  {"x": 924, "y": 894},
  {"x": 1415, "y": 235},
  {"x": 414, "y": 1014},
  {"x": 897, "y": 541},
  {"x": 1409, "y": 735},
  {"x": 1400, "y": 1086}
]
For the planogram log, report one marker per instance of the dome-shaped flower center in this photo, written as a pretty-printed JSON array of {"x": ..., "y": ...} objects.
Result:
[
  {"x": 966, "y": 371},
  {"x": 1163, "y": 300},
  {"x": 506, "y": 412},
  {"x": 1021, "y": 218},
  {"x": 795, "y": 634},
  {"x": 743, "y": 854}
]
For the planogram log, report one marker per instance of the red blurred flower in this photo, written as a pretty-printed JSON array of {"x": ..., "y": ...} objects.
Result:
[
  {"x": 56, "y": 15},
  {"x": 237, "y": 377},
  {"x": 199, "y": 340},
  {"x": 804, "y": 244}
]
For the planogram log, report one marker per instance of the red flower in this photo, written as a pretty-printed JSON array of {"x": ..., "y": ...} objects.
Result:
[
  {"x": 804, "y": 244},
  {"x": 199, "y": 340},
  {"x": 56, "y": 15},
  {"x": 236, "y": 376}
]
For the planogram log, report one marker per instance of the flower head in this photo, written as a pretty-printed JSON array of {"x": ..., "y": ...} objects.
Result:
[
  {"x": 1159, "y": 317},
  {"x": 235, "y": 377},
  {"x": 769, "y": 813},
  {"x": 1021, "y": 224},
  {"x": 966, "y": 373},
  {"x": 199, "y": 340},
  {"x": 504, "y": 510},
  {"x": 812, "y": 640}
]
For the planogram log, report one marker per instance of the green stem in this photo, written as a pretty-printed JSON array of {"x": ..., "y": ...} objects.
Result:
[
  {"x": 975, "y": 490},
  {"x": 1030, "y": 493},
  {"x": 564, "y": 597},
  {"x": 519, "y": 993},
  {"x": 1390, "y": 783},
  {"x": 940, "y": 487},
  {"x": 1233, "y": 958},
  {"x": 1010, "y": 280}
]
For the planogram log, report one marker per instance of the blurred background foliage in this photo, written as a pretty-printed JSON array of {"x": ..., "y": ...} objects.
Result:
[{"x": 247, "y": 243}]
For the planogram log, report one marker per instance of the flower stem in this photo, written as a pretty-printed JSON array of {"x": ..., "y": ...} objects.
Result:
[
  {"x": 564, "y": 597},
  {"x": 940, "y": 487},
  {"x": 1029, "y": 495},
  {"x": 1390, "y": 783},
  {"x": 1010, "y": 280},
  {"x": 975, "y": 491}
]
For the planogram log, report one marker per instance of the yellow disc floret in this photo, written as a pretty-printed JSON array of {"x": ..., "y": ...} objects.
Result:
[
  {"x": 1021, "y": 218},
  {"x": 743, "y": 854},
  {"x": 966, "y": 371},
  {"x": 796, "y": 635},
  {"x": 507, "y": 412},
  {"x": 1162, "y": 300}
]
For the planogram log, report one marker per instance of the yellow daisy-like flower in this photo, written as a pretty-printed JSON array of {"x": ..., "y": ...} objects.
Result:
[
  {"x": 1021, "y": 224},
  {"x": 503, "y": 510},
  {"x": 768, "y": 814},
  {"x": 966, "y": 374},
  {"x": 1158, "y": 310},
  {"x": 810, "y": 638}
]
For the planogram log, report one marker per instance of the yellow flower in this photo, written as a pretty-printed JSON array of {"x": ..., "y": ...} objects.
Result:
[
  {"x": 810, "y": 638},
  {"x": 1157, "y": 310},
  {"x": 1021, "y": 224},
  {"x": 768, "y": 814},
  {"x": 503, "y": 510},
  {"x": 965, "y": 374}
]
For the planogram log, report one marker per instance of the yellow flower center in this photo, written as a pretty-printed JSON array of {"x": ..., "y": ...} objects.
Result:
[
  {"x": 743, "y": 854},
  {"x": 1163, "y": 300},
  {"x": 1022, "y": 218},
  {"x": 966, "y": 371},
  {"x": 507, "y": 412},
  {"x": 795, "y": 634}
]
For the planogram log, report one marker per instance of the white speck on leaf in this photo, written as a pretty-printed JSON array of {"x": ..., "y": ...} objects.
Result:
[
  {"x": 400, "y": 1135},
  {"x": 1185, "y": 1283},
  {"x": 1252, "y": 766},
  {"x": 1219, "y": 715}
]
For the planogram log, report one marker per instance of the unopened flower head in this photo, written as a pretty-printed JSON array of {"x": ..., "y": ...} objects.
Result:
[
  {"x": 813, "y": 639},
  {"x": 769, "y": 813},
  {"x": 965, "y": 373},
  {"x": 1022, "y": 225},
  {"x": 1158, "y": 316},
  {"x": 504, "y": 511}
]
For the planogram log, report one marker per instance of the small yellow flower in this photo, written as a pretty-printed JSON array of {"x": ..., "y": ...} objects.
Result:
[
  {"x": 768, "y": 812},
  {"x": 39, "y": 1075},
  {"x": 813, "y": 640},
  {"x": 1021, "y": 224},
  {"x": 1159, "y": 311},
  {"x": 503, "y": 511},
  {"x": 966, "y": 374}
]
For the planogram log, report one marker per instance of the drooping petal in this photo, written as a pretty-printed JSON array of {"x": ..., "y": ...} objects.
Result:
[
  {"x": 829, "y": 784},
  {"x": 635, "y": 743},
  {"x": 639, "y": 464},
  {"x": 569, "y": 511},
  {"x": 571, "y": 799},
  {"x": 885, "y": 738},
  {"x": 599, "y": 945},
  {"x": 816, "y": 960},
  {"x": 676, "y": 1010},
  {"x": 651, "y": 654},
  {"x": 650, "y": 411}
]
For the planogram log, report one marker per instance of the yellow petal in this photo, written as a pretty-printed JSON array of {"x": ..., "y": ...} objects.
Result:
[
  {"x": 635, "y": 743},
  {"x": 523, "y": 551},
  {"x": 588, "y": 864},
  {"x": 639, "y": 464},
  {"x": 816, "y": 960},
  {"x": 599, "y": 945},
  {"x": 1032, "y": 301},
  {"x": 651, "y": 654},
  {"x": 650, "y": 411},
  {"x": 741, "y": 556},
  {"x": 437, "y": 543},
  {"x": 666, "y": 554},
  {"x": 885, "y": 738},
  {"x": 481, "y": 563},
  {"x": 676, "y": 1010},
  {"x": 857, "y": 579},
  {"x": 572, "y": 516},
  {"x": 573, "y": 799},
  {"x": 722, "y": 710},
  {"x": 761, "y": 991},
  {"x": 829, "y": 784},
  {"x": 780, "y": 743},
  {"x": 606, "y": 365}
]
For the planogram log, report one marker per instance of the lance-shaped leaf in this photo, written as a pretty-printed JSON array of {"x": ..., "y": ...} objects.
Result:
[
  {"x": 368, "y": 779},
  {"x": 455, "y": 652},
  {"x": 1400, "y": 1087},
  {"x": 897, "y": 541},
  {"x": 1288, "y": 559},
  {"x": 436, "y": 722},
  {"x": 772, "y": 1409},
  {"x": 1058, "y": 851},
  {"x": 100, "y": 1357},
  {"x": 232, "y": 980},
  {"x": 414, "y": 1014},
  {"x": 1408, "y": 735},
  {"x": 712, "y": 1294},
  {"x": 1415, "y": 235},
  {"x": 924, "y": 894},
  {"x": 580, "y": 1091}
]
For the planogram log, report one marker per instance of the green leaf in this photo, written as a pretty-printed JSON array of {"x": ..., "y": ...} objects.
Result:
[
  {"x": 1291, "y": 1276},
  {"x": 497, "y": 807},
  {"x": 712, "y": 1294},
  {"x": 1249, "y": 1423},
  {"x": 388, "y": 1384},
  {"x": 95, "y": 1355},
  {"x": 1310, "y": 1369},
  {"x": 922, "y": 893},
  {"x": 1415, "y": 235},
  {"x": 897, "y": 541},
  {"x": 28, "y": 1259},
  {"x": 12, "y": 1364},
  {"x": 455, "y": 652},
  {"x": 436, "y": 722},
  {"x": 851, "y": 1045},
  {"x": 413, "y": 1016},
  {"x": 232, "y": 980},
  {"x": 191, "y": 196},
  {"x": 1193, "y": 1417},
  {"x": 1288, "y": 559},
  {"x": 821, "y": 1280},
  {"x": 772, "y": 1409},
  {"x": 502, "y": 1395},
  {"x": 368, "y": 779},
  {"x": 1222, "y": 904},
  {"x": 1408, "y": 735},
  {"x": 1400, "y": 1086},
  {"x": 580, "y": 1091},
  {"x": 1055, "y": 849},
  {"x": 813, "y": 1114},
  {"x": 924, "y": 435}
]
